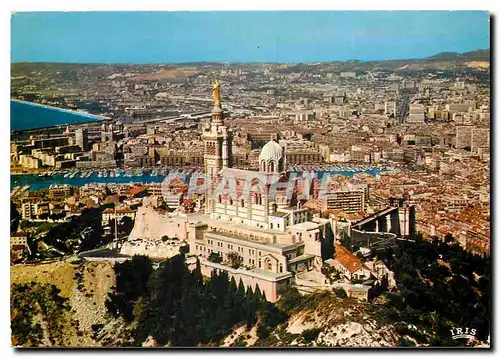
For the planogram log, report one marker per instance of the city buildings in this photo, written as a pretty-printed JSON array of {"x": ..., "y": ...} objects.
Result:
[
  {"x": 82, "y": 139},
  {"x": 430, "y": 132}
]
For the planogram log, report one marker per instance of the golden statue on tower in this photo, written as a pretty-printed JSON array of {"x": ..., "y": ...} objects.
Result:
[{"x": 216, "y": 92}]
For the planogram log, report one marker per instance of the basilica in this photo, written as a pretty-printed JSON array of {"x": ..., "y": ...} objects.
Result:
[{"x": 252, "y": 220}]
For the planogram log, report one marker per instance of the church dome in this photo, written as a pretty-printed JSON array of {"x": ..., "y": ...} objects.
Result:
[{"x": 271, "y": 151}]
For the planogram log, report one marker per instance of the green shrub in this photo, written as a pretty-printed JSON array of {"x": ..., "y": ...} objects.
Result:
[
  {"x": 340, "y": 292},
  {"x": 311, "y": 334}
]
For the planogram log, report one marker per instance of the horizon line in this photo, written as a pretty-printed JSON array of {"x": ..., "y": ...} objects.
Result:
[{"x": 247, "y": 62}]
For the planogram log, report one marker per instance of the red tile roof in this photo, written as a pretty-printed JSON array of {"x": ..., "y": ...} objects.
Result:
[
  {"x": 347, "y": 259},
  {"x": 135, "y": 191},
  {"x": 122, "y": 210}
]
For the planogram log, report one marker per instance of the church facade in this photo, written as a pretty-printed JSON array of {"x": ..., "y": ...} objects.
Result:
[{"x": 254, "y": 216}]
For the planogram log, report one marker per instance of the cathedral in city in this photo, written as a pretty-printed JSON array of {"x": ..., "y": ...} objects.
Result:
[
  {"x": 252, "y": 220},
  {"x": 253, "y": 214}
]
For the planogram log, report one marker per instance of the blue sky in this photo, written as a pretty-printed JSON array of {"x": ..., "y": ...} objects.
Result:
[{"x": 310, "y": 36}]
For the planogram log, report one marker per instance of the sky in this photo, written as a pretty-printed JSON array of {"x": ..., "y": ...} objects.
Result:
[{"x": 252, "y": 36}]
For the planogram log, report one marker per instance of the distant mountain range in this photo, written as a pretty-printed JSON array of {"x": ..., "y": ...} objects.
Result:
[
  {"x": 444, "y": 61},
  {"x": 477, "y": 55}
]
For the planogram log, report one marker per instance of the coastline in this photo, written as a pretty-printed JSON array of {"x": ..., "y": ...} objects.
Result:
[{"x": 81, "y": 113}]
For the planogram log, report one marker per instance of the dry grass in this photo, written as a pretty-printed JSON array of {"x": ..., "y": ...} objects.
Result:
[
  {"x": 58, "y": 273},
  {"x": 88, "y": 304},
  {"x": 478, "y": 64}
]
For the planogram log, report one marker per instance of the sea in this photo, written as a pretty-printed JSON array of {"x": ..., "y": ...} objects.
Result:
[
  {"x": 25, "y": 115},
  {"x": 37, "y": 182}
]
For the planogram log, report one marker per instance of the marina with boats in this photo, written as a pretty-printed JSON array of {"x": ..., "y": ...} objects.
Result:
[{"x": 76, "y": 177}]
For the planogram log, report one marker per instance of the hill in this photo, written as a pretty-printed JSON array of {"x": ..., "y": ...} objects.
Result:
[
  {"x": 477, "y": 55},
  {"x": 84, "y": 285}
]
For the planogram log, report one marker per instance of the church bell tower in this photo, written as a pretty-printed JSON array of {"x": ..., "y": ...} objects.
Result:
[{"x": 217, "y": 139}]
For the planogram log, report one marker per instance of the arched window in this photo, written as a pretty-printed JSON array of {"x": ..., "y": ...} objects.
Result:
[
  {"x": 242, "y": 203},
  {"x": 269, "y": 265},
  {"x": 271, "y": 225},
  {"x": 231, "y": 201},
  {"x": 281, "y": 268},
  {"x": 271, "y": 166},
  {"x": 220, "y": 198}
]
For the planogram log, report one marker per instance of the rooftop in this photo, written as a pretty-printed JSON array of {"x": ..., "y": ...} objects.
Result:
[
  {"x": 347, "y": 259},
  {"x": 305, "y": 226}
]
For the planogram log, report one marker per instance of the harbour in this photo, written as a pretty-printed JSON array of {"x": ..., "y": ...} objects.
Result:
[{"x": 77, "y": 178}]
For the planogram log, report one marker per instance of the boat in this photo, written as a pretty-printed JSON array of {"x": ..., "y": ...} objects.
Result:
[
  {"x": 105, "y": 174},
  {"x": 99, "y": 175}
]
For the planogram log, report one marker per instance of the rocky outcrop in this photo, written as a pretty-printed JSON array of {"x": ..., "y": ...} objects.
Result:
[
  {"x": 152, "y": 248},
  {"x": 354, "y": 334}
]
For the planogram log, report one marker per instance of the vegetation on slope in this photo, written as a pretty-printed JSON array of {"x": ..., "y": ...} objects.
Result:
[
  {"x": 440, "y": 286},
  {"x": 178, "y": 307},
  {"x": 35, "y": 306}
]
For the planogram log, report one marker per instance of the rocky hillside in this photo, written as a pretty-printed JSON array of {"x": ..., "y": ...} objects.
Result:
[
  {"x": 85, "y": 285},
  {"x": 63, "y": 303},
  {"x": 325, "y": 320}
]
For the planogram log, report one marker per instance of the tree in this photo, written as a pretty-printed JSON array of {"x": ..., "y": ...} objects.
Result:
[
  {"x": 327, "y": 243},
  {"x": 179, "y": 308},
  {"x": 235, "y": 260},
  {"x": 250, "y": 307},
  {"x": 215, "y": 257},
  {"x": 311, "y": 334},
  {"x": 197, "y": 275},
  {"x": 131, "y": 283},
  {"x": 14, "y": 217},
  {"x": 340, "y": 292},
  {"x": 451, "y": 288}
]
